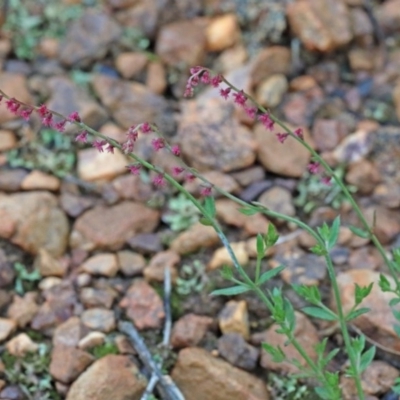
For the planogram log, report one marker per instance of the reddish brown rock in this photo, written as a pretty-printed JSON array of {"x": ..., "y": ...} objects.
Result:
[
  {"x": 99, "y": 319},
  {"x": 67, "y": 363},
  {"x": 234, "y": 318},
  {"x": 34, "y": 221},
  {"x": 156, "y": 79},
  {"x": 143, "y": 306},
  {"x": 7, "y": 327},
  {"x": 222, "y": 32},
  {"x": 131, "y": 263},
  {"x": 321, "y": 25},
  {"x": 131, "y": 64},
  {"x": 23, "y": 309},
  {"x": 388, "y": 15},
  {"x": 104, "y": 264},
  {"x": 69, "y": 333},
  {"x": 111, "y": 377},
  {"x": 109, "y": 228},
  {"x": 132, "y": 187},
  {"x": 20, "y": 345},
  {"x": 327, "y": 133},
  {"x": 201, "y": 376},
  {"x": 189, "y": 330},
  {"x": 270, "y": 92},
  {"x": 48, "y": 265},
  {"x": 155, "y": 269},
  {"x": 278, "y": 199},
  {"x": 93, "y": 297},
  {"x": 38, "y": 180},
  {"x": 8, "y": 140},
  {"x": 363, "y": 175},
  {"x": 222, "y": 257}
]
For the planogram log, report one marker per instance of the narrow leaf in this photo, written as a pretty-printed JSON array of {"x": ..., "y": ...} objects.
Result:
[
  {"x": 231, "y": 291},
  {"x": 394, "y": 302},
  {"x": 266, "y": 276},
  {"x": 272, "y": 236},
  {"x": 384, "y": 283},
  {"x": 367, "y": 358},
  {"x": 359, "y": 232},
  {"x": 334, "y": 232},
  {"x": 205, "y": 221},
  {"x": 260, "y": 246},
  {"x": 209, "y": 205},
  {"x": 356, "y": 313},
  {"x": 396, "y": 328},
  {"x": 248, "y": 211},
  {"x": 320, "y": 313}
]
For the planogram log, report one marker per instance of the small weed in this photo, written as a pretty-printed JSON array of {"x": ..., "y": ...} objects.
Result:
[
  {"x": 24, "y": 280},
  {"x": 193, "y": 278},
  {"x": 314, "y": 193},
  {"x": 133, "y": 39},
  {"x": 183, "y": 213},
  {"x": 104, "y": 349},
  {"x": 288, "y": 388},
  {"x": 31, "y": 373}
]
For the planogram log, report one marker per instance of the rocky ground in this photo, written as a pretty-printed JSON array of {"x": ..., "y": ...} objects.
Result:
[{"x": 84, "y": 244}]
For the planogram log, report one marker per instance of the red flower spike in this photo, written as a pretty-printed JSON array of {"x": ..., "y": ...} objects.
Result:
[
  {"x": 240, "y": 98},
  {"x": 145, "y": 128},
  {"x": 132, "y": 133},
  {"x": 26, "y": 113},
  {"x": 206, "y": 191},
  {"x": 190, "y": 177},
  {"x": 282, "y": 137},
  {"x": 176, "y": 151},
  {"x": 128, "y": 146},
  {"x": 60, "y": 126},
  {"x": 159, "y": 180},
  {"x": 251, "y": 111},
  {"x": 12, "y": 105},
  {"x": 134, "y": 169},
  {"x": 110, "y": 148},
  {"x": 47, "y": 120},
  {"x": 81, "y": 137},
  {"x": 299, "y": 133},
  {"x": 205, "y": 78},
  {"x": 266, "y": 120},
  {"x": 99, "y": 144},
  {"x": 313, "y": 167},
  {"x": 43, "y": 110},
  {"x": 176, "y": 171},
  {"x": 158, "y": 144},
  {"x": 74, "y": 117},
  {"x": 216, "y": 81},
  {"x": 225, "y": 93}
]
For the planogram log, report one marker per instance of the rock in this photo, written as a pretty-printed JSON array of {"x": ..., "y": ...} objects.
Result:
[
  {"x": 67, "y": 363},
  {"x": 34, "y": 221},
  {"x": 23, "y": 309},
  {"x": 155, "y": 79},
  {"x": 189, "y": 330},
  {"x": 237, "y": 351},
  {"x": 69, "y": 333},
  {"x": 378, "y": 323},
  {"x": 322, "y": 25},
  {"x": 249, "y": 175},
  {"x": 111, "y": 377},
  {"x": 104, "y": 264},
  {"x": 377, "y": 379},
  {"x": 99, "y": 319},
  {"x": 216, "y": 178},
  {"x": 256, "y": 223},
  {"x": 7, "y": 327},
  {"x": 195, "y": 238},
  {"x": 387, "y": 194},
  {"x": 91, "y": 340},
  {"x": 143, "y": 306},
  {"x": 155, "y": 269},
  {"x": 5, "y": 298},
  {"x": 49, "y": 282},
  {"x": 93, "y": 166},
  {"x": 365, "y": 258},
  {"x": 110, "y": 227},
  {"x": 131, "y": 64},
  {"x": 88, "y": 39},
  {"x": 327, "y": 133},
  {"x": 182, "y": 42},
  {"x": 212, "y": 139},
  {"x": 48, "y": 265},
  {"x": 305, "y": 333},
  {"x": 303, "y": 83},
  {"x": 11, "y": 179},
  {"x": 287, "y": 159},
  {"x": 146, "y": 243},
  {"x": 7, "y": 272},
  {"x": 360, "y": 60},
  {"x": 124, "y": 345},
  {"x": 364, "y": 176},
  {"x": 20, "y": 345},
  {"x": 12, "y": 392},
  {"x": 132, "y": 187},
  {"x": 354, "y": 147},
  {"x": 92, "y": 297},
  {"x": 132, "y": 103},
  {"x": 37, "y": 180},
  {"x": 234, "y": 318},
  {"x": 221, "y": 256},
  {"x": 75, "y": 205},
  {"x": 67, "y": 97},
  {"x": 388, "y": 15},
  {"x": 8, "y": 140},
  {"x": 201, "y": 376},
  {"x": 131, "y": 263},
  {"x": 15, "y": 85},
  {"x": 222, "y": 32},
  {"x": 278, "y": 200},
  {"x": 271, "y": 90},
  {"x": 228, "y": 212},
  {"x": 269, "y": 61}
]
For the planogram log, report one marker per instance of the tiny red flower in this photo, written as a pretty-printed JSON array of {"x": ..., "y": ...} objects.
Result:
[
  {"x": 99, "y": 144},
  {"x": 128, "y": 146},
  {"x": 60, "y": 126},
  {"x": 110, "y": 148},
  {"x": 132, "y": 133},
  {"x": 47, "y": 120},
  {"x": 205, "y": 78},
  {"x": 206, "y": 191},
  {"x": 81, "y": 137},
  {"x": 176, "y": 171},
  {"x": 43, "y": 110},
  {"x": 251, "y": 111},
  {"x": 159, "y": 180},
  {"x": 176, "y": 151},
  {"x": 225, "y": 92},
  {"x": 282, "y": 137},
  {"x": 74, "y": 117},
  {"x": 216, "y": 80},
  {"x": 188, "y": 91},
  {"x": 313, "y": 167},
  {"x": 158, "y": 144},
  {"x": 299, "y": 133},
  {"x": 190, "y": 177},
  {"x": 266, "y": 120},
  {"x": 134, "y": 169},
  {"x": 326, "y": 180},
  {"x": 26, "y": 113},
  {"x": 240, "y": 98},
  {"x": 12, "y": 105},
  {"x": 146, "y": 128}
]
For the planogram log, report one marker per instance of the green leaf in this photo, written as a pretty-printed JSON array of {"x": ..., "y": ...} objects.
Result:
[
  {"x": 394, "y": 302},
  {"x": 267, "y": 275},
  {"x": 384, "y": 283},
  {"x": 396, "y": 314},
  {"x": 227, "y": 272},
  {"x": 205, "y": 221},
  {"x": 275, "y": 352},
  {"x": 289, "y": 315},
  {"x": 396, "y": 328},
  {"x": 334, "y": 232},
  {"x": 318, "y": 250},
  {"x": 209, "y": 205},
  {"x": 324, "y": 232},
  {"x": 309, "y": 293},
  {"x": 231, "y": 291},
  {"x": 260, "y": 246},
  {"x": 272, "y": 235},
  {"x": 356, "y": 313},
  {"x": 249, "y": 211},
  {"x": 320, "y": 313},
  {"x": 361, "y": 292},
  {"x": 367, "y": 358},
  {"x": 323, "y": 393},
  {"x": 359, "y": 232}
]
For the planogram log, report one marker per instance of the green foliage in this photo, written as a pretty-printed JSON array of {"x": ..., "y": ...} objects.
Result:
[
  {"x": 135, "y": 40},
  {"x": 192, "y": 278},
  {"x": 314, "y": 193},
  {"x": 183, "y": 213},
  {"x": 24, "y": 280},
  {"x": 288, "y": 388},
  {"x": 31, "y": 373},
  {"x": 109, "y": 347},
  {"x": 50, "y": 152},
  {"x": 28, "y": 21}
]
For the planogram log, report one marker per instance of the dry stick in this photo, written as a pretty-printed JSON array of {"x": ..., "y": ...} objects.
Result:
[{"x": 167, "y": 331}]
